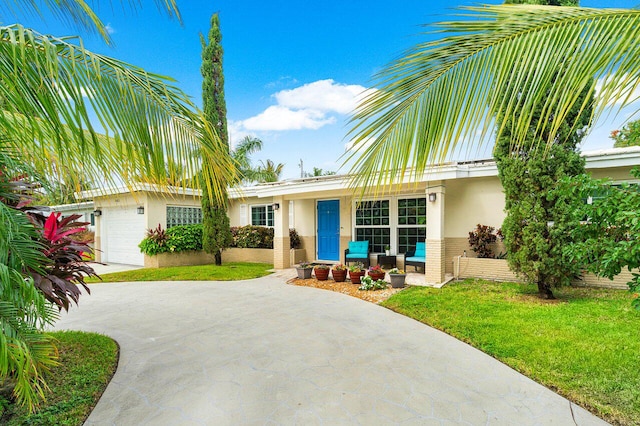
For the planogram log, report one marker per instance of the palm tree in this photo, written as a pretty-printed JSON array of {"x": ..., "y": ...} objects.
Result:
[
  {"x": 442, "y": 97},
  {"x": 241, "y": 154},
  {"x": 268, "y": 171},
  {"x": 48, "y": 88}
]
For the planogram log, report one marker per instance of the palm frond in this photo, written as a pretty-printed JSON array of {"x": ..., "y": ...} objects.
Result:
[
  {"x": 79, "y": 12},
  {"x": 443, "y": 96},
  {"x": 49, "y": 87}
]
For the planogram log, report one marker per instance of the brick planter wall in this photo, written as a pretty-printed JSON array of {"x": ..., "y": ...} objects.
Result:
[
  {"x": 498, "y": 270},
  {"x": 187, "y": 258}
]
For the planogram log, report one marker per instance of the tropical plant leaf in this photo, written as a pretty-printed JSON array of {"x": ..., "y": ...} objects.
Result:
[
  {"x": 49, "y": 89},
  {"x": 441, "y": 97}
]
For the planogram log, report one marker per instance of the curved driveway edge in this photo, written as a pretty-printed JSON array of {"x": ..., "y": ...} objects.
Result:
[{"x": 263, "y": 352}]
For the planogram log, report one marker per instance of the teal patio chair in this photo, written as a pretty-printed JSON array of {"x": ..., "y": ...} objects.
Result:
[
  {"x": 358, "y": 251},
  {"x": 416, "y": 257}
]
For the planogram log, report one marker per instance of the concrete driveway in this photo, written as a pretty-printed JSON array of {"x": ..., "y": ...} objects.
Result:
[{"x": 263, "y": 352}]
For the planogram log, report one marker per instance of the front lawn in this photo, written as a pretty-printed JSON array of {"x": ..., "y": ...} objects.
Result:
[
  {"x": 226, "y": 272},
  {"x": 586, "y": 346},
  {"x": 87, "y": 363}
]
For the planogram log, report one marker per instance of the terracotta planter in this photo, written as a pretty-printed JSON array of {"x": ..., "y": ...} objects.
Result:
[
  {"x": 397, "y": 280},
  {"x": 304, "y": 273},
  {"x": 322, "y": 274},
  {"x": 339, "y": 276},
  {"x": 355, "y": 277},
  {"x": 376, "y": 275}
]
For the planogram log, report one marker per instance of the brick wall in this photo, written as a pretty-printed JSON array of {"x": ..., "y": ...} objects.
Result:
[
  {"x": 489, "y": 269},
  {"x": 498, "y": 270}
]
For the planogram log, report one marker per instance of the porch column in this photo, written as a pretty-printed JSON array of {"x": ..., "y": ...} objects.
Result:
[
  {"x": 435, "y": 262},
  {"x": 281, "y": 241}
]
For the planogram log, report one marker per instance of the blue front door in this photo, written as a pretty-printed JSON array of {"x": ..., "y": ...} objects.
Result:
[{"x": 329, "y": 230}]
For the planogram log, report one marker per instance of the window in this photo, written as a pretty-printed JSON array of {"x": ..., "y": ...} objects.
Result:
[
  {"x": 402, "y": 221},
  {"x": 183, "y": 216},
  {"x": 372, "y": 224},
  {"x": 262, "y": 215},
  {"x": 412, "y": 223}
]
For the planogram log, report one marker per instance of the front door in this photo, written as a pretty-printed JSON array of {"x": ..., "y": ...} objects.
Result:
[{"x": 329, "y": 230}]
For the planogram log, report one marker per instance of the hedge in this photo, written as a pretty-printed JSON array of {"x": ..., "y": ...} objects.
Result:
[{"x": 189, "y": 237}]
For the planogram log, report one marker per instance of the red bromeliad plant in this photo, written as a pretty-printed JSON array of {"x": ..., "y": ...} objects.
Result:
[{"x": 59, "y": 280}]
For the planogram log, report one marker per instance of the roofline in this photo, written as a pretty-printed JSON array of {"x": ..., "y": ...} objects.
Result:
[
  {"x": 605, "y": 158},
  {"x": 143, "y": 187},
  {"x": 72, "y": 206}
]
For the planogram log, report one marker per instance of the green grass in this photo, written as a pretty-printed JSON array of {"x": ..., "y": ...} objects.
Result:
[
  {"x": 87, "y": 363},
  {"x": 226, "y": 272},
  {"x": 585, "y": 347}
]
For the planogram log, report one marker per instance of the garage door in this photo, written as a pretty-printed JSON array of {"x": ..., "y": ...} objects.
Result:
[{"x": 122, "y": 231}]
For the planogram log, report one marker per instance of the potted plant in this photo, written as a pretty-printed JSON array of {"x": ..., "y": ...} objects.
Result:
[
  {"x": 339, "y": 273},
  {"x": 397, "y": 277},
  {"x": 376, "y": 272},
  {"x": 387, "y": 250},
  {"x": 356, "y": 272},
  {"x": 304, "y": 270},
  {"x": 322, "y": 272}
]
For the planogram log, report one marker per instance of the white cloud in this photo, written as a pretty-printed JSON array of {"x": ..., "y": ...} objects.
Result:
[
  {"x": 280, "y": 118},
  {"x": 322, "y": 95},
  {"x": 310, "y": 106},
  {"x": 109, "y": 29},
  {"x": 627, "y": 93},
  {"x": 360, "y": 147}
]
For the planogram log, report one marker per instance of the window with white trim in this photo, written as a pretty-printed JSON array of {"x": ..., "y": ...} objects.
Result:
[
  {"x": 262, "y": 215},
  {"x": 179, "y": 215},
  {"x": 402, "y": 221},
  {"x": 412, "y": 223},
  {"x": 373, "y": 224}
]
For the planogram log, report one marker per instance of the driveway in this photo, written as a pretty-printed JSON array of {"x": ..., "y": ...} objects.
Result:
[{"x": 264, "y": 352}]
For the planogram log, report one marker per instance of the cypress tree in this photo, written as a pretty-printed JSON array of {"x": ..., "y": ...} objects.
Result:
[
  {"x": 537, "y": 225},
  {"x": 216, "y": 231}
]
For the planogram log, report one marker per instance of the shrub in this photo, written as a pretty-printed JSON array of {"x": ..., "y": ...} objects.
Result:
[
  {"x": 174, "y": 240},
  {"x": 252, "y": 237},
  {"x": 480, "y": 238},
  {"x": 184, "y": 238},
  {"x": 294, "y": 238}
]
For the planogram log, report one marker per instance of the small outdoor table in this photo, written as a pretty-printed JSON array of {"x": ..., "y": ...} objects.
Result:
[{"x": 386, "y": 260}]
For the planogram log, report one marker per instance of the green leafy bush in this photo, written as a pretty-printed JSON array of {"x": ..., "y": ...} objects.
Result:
[
  {"x": 294, "y": 239},
  {"x": 252, "y": 237},
  {"x": 189, "y": 237},
  {"x": 173, "y": 240}
]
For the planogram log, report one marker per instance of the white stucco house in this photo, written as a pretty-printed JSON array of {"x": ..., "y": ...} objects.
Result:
[
  {"x": 441, "y": 209},
  {"x": 84, "y": 209}
]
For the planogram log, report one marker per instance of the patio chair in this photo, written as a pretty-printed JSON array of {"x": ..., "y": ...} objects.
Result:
[
  {"x": 416, "y": 257},
  {"x": 358, "y": 251}
]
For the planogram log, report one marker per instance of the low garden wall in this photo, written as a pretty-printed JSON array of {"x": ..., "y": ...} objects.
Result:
[
  {"x": 498, "y": 270},
  {"x": 252, "y": 255},
  {"x": 488, "y": 269},
  {"x": 186, "y": 258}
]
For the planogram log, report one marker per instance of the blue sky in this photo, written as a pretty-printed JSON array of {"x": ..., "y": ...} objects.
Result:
[{"x": 292, "y": 68}]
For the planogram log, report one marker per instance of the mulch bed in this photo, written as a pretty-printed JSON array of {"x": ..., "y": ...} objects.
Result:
[{"x": 373, "y": 296}]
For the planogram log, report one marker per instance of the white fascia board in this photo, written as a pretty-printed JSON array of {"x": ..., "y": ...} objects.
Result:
[
  {"x": 75, "y": 206},
  {"x": 615, "y": 157},
  {"x": 106, "y": 192}
]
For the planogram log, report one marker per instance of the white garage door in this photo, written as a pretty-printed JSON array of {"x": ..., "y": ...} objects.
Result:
[{"x": 122, "y": 231}]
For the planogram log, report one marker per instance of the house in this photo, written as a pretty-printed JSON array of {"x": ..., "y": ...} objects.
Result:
[
  {"x": 123, "y": 216},
  {"x": 441, "y": 209},
  {"x": 84, "y": 209}
]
